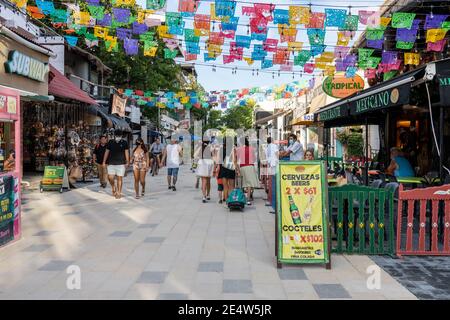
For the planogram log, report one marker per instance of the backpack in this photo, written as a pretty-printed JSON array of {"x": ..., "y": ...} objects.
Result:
[{"x": 236, "y": 199}]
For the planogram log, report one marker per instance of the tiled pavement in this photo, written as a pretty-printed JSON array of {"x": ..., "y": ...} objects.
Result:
[
  {"x": 426, "y": 277},
  {"x": 165, "y": 246}
]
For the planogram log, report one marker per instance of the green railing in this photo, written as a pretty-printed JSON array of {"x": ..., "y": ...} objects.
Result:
[{"x": 361, "y": 220}]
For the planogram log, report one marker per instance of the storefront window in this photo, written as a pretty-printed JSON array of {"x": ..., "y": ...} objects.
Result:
[{"x": 7, "y": 147}]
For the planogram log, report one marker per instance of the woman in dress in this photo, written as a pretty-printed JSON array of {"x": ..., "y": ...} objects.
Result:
[
  {"x": 205, "y": 167},
  {"x": 227, "y": 170},
  {"x": 141, "y": 161}
]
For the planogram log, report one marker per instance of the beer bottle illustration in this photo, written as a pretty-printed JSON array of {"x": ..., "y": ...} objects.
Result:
[
  {"x": 294, "y": 211},
  {"x": 308, "y": 211}
]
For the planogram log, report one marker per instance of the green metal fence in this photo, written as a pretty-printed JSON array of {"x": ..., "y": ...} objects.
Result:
[{"x": 361, "y": 220}]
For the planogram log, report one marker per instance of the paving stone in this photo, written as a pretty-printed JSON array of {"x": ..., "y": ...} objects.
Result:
[
  {"x": 147, "y": 225},
  {"x": 154, "y": 239},
  {"x": 173, "y": 296},
  {"x": 37, "y": 248},
  {"x": 237, "y": 286},
  {"x": 56, "y": 265},
  {"x": 120, "y": 234},
  {"x": 43, "y": 233},
  {"x": 292, "y": 274},
  {"x": 210, "y": 267},
  {"x": 152, "y": 277},
  {"x": 331, "y": 291}
]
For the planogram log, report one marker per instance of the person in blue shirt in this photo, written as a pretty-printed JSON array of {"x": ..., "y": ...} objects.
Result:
[{"x": 399, "y": 166}]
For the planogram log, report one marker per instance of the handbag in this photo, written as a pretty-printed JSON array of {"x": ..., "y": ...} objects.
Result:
[{"x": 229, "y": 164}]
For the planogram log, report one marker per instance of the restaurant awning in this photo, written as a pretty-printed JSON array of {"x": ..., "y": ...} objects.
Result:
[
  {"x": 60, "y": 86},
  {"x": 392, "y": 93},
  {"x": 115, "y": 121},
  {"x": 272, "y": 117}
]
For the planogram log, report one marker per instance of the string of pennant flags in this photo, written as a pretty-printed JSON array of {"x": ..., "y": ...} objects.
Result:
[
  {"x": 214, "y": 38},
  {"x": 222, "y": 99}
]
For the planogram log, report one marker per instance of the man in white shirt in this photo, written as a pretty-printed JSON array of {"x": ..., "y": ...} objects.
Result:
[
  {"x": 173, "y": 153},
  {"x": 295, "y": 149},
  {"x": 272, "y": 151}
]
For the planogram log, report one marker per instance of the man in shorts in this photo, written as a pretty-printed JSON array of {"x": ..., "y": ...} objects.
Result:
[
  {"x": 156, "y": 150},
  {"x": 99, "y": 154},
  {"x": 172, "y": 154},
  {"x": 117, "y": 157}
]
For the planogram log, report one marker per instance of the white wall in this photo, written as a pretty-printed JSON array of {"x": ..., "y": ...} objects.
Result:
[{"x": 56, "y": 44}]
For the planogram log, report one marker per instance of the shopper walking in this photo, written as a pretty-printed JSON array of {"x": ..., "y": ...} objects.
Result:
[
  {"x": 141, "y": 160},
  {"x": 228, "y": 169},
  {"x": 246, "y": 159},
  {"x": 204, "y": 171},
  {"x": 117, "y": 159},
  {"x": 156, "y": 150},
  {"x": 99, "y": 154},
  {"x": 172, "y": 155},
  {"x": 272, "y": 151}
]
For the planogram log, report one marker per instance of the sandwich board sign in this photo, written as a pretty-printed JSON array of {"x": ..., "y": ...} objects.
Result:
[{"x": 302, "y": 228}]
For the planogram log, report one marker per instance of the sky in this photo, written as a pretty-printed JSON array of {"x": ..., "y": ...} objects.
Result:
[{"x": 223, "y": 79}]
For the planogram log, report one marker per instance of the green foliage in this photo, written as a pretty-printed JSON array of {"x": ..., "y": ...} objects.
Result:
[
  {"x": 239, "y": 117},
  {"x": 355, "y": 144},
  {"x": 214, "y": 120}
]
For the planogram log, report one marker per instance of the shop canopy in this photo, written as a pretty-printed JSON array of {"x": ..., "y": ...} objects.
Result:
[
  {"x": 61, "y": 87},
  {"x": 115, "y": 121},
  {"x": 386, "y": 95}
]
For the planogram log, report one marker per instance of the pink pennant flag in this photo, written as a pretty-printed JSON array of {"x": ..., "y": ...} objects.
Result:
[
  {"x": 309, "y": 68},
  {"x": 152, "y": 22},
  {"x": 231, "y": 34},
  {"x": 270, "y": 45},
  {"x": 365, "y": 15},
  {"x": 437, "y": 46},
  {"x": 340, "y": 51},
  {"x": 172, "y": 44},
  {"x": 227, "y": 59},
  {"x": 374, "y": 20},
  {"x": 370, "y": 73},
  {"x": 248, "y": 11},
  {"x": 287, "y": 67}
]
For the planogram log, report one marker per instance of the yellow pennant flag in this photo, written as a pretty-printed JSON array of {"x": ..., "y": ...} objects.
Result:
[
  {"x": 201, "y": 32},
  {"x": 160, "y": 105},
  {"x": 163, "y": 32},
  {"x": 327, "y": 56},
  {"x": 295, "y": 46},
  {"x": 412, "y": 58},
  {"x": 20, "y": 3},
  {"x": 112, "y": 43},
  {"x": 330, "y": 70},
  {"x": 81, "y": 18},
  {"x": 320, "y": 64},
  {"x": 343, "y": 40},
  {"x": 185, "y": 100},
  {"x": 249, "y": 61},
  {"x": 435, "y": 35},
  {"x": 150, "y": 52},
  {"x": 100, "y": 32},
  {"x": 214, "y": 50},
  {"x": 287, "y": 31},
  {"x": 125, "y": 2},
  {"x": 299, "y": 15},
  {"x": 384, "y": 21}
]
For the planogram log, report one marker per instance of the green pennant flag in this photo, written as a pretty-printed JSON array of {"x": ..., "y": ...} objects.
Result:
[
  {"x": 189, "y": 36},
  {"x": 141, "y": 102},
  {"x": 90, "y": 36},
  {"x": 351, "y": 23},
  {"x": 81, "y": 30},
  {"x": 372, "y": 63},
  {"x": 445, "y": 25},
  {"x": 302, "y": 57},
  {"x": 375, "y": 34},
  {"x": 404, "y": 45},
  {"x": 156, "y": 4},
  {"x": 59, "y": 16},
  {"x": 170, "y": 54},
  {"x": 363, "y": 56},
  {"x": 97, "y": 12},
  {"x": 147, "y": 36},
  {"x": 389, "y": 75},
  {"x": 147, "y": 94},
  {"x": 114, "y": 49},
  {"x": 402, "y": 20}
]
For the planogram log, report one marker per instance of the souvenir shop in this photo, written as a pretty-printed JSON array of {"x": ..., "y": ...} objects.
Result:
[{"x": 60, "y": 132}]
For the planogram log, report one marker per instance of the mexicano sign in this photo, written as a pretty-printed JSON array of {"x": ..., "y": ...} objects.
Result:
[
  {"x": 26, "y": 66},
  {"x": 331, "y": 114},
  {"x": 341, "y": 87},
  {"x": 380, "y": 100}
]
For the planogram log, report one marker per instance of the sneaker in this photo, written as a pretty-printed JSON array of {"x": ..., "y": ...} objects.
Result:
[
  {"x": 220, "y": 201},
  {"x": 208, "y": 198},
  {"x": 174, "y": 189},
  {"x": 204, "y": 200},
  {"x": 249, "y": 203},
  {"x": 170, "y": 187}
]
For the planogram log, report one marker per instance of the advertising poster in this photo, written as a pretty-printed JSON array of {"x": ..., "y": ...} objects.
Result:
[
  {"x": 53, "y": 175},
  {"x": 6, "y": 209},
  {"x": 302, "y": 220}
]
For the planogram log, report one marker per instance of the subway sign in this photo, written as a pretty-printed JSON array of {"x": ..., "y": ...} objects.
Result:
[
  {"x": 21, "y": 64},
  {"x": 384, "y": 99}
]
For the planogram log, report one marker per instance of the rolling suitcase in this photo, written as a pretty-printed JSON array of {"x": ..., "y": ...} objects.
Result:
[{"x": 237, "y": 200}]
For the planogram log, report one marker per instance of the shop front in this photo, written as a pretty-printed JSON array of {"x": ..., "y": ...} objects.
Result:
[
  {"x": 10, "y": 175},
  {"x": 412, "y": 113}
]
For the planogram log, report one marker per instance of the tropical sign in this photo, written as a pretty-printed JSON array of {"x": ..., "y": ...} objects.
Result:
[
  {"x": 301, "y": 215},
  {"x": 342, "y": 87}
]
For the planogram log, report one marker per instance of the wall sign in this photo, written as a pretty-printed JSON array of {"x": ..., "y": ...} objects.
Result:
[
  {"x": 26, "y": 66},
  {"x": 384, "y": 99},
  {"x": 342, "y": 87},
  {"x": 331, "y": 114},
  {"x": 302, "y": 221}
]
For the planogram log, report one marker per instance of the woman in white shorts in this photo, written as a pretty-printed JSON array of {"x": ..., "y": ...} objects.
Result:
[{"x": 205, "y": 168}]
